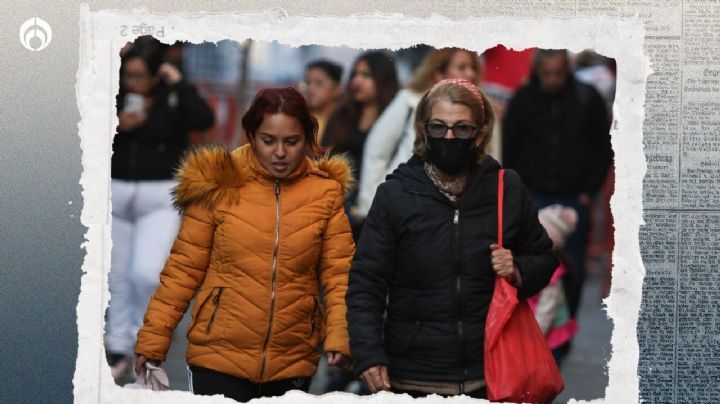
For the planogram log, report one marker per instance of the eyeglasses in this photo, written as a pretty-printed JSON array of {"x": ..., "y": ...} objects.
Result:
[{"x": 460, "y": 130}]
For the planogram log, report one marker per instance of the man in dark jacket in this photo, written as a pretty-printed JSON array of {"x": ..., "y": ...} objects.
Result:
[
  {"x": 556, "y": 135},
  {"x": 426, "y": 264}
]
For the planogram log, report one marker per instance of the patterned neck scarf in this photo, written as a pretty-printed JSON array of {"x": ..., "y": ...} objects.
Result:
[{"x": 453, "y": 188}]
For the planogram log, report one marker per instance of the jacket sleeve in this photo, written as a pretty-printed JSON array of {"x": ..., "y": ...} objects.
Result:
[
  {"x": 337, "y": 252},
  {"x": 184, "y": 271},
  {"x": 531, "y": 246},
  {"x": 368, "y": 287},
  {"x": 380, "y": 144},
  {"x": 195, "y": 111}
]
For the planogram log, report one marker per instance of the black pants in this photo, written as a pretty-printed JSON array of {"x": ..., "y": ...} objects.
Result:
[{"x": 206, "y": 382}]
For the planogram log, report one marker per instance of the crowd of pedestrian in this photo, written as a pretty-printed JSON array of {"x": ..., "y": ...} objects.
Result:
[{"x": 363, "y": 224}]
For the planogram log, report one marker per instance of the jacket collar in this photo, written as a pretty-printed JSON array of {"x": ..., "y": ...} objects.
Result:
[
  {"x": 212, "y": 174},
  {"x": 414, "y": 179}
]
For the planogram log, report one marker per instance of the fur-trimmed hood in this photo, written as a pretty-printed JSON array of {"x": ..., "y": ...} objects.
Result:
[{"x": 212, "y": 174}]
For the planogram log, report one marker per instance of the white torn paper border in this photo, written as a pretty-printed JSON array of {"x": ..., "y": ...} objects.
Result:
[{"x": 102, "y": 35}]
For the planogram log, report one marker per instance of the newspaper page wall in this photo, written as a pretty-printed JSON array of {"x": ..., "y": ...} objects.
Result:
[
  {"x": 678, "y": 329},
  {"x": 679, "y": 325}
]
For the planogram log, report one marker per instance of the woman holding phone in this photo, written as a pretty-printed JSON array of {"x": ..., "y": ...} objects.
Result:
[{"x": 156, "y": 109}]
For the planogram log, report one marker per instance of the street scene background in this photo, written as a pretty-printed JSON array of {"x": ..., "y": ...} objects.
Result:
[{"x": 228, "y": 75}]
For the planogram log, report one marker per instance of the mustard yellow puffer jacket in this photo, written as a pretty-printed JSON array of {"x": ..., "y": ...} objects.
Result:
[{"x": 253, "y": 251}]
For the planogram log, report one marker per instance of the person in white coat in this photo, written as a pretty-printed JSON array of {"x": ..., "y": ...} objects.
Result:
[{"x": 390, "y": 141}]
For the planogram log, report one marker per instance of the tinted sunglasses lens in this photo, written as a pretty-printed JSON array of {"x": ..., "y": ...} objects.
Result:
[
  {"x": 436, "y": 129},
  {"x": 463, "y": 131}
]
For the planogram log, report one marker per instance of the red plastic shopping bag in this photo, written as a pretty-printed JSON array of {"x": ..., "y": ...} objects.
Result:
[{"x": 518, "y": 364}]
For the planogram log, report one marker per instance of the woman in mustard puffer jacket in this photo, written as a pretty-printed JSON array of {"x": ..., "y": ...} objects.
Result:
[{"x": 263, "y": 229}]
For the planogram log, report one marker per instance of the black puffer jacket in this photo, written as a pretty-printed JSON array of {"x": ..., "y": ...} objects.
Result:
[{"x": 429, "y": 265}]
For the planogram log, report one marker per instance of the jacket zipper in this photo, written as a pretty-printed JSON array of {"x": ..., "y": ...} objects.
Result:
[
  {"x": 216, "y": 303},
  {"x": 458, "y": 284},
  {"x": 274, "y": 271}
]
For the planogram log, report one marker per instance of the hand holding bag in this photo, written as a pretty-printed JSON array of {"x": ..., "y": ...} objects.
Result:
[
  {"x": 519, "y": 366},
  {"x": 152, "y": 378}
]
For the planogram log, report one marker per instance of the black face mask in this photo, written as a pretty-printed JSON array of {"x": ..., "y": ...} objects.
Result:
[{"x": 450, "y": 155}]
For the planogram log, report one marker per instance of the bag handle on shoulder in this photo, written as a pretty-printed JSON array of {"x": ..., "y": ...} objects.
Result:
[{"x": 501, "y": 198}]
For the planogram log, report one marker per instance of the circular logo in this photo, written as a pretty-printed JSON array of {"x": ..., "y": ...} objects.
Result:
[{"x": 35, "y": 34}]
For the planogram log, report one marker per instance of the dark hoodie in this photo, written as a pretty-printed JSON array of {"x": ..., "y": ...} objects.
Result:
[
  {"x": 431, "y": 262},
  {"x": 558, "y": 143}
]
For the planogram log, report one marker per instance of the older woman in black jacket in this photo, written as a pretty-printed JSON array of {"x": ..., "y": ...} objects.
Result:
[{"x": 423, "y": 275}]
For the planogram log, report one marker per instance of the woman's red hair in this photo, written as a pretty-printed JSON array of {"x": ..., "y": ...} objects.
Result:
[{"x": 287, "y": 101}]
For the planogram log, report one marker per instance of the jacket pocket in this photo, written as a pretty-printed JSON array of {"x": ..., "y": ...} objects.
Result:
[
  {"x": 312, "y": 325},
  {"x": 400, "y": 335},
  {"x": 313, "y": 317},
  {"x": 216, "y": 306},
  {"x": 411, "y": 337},
  {"x": 201, "y": 328}
]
